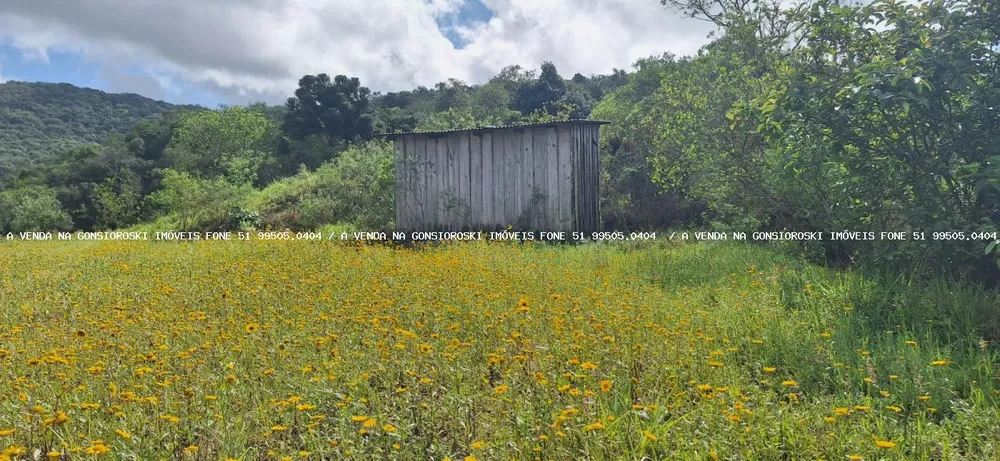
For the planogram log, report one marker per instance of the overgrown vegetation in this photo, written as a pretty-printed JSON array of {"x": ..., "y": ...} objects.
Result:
[
  {"x": 235, "y": 167},
  {"x": 876, "y": 117},
  {"x": 39, "y": 119},
  {"x": 319, "y": 349},
  {"x": 822, "y": 117}
]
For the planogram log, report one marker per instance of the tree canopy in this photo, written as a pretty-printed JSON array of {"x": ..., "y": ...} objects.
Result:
[{"x": 335, "y": 109}]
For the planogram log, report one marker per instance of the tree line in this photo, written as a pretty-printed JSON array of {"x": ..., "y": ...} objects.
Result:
[
  {"x": 819, "y": 115},
  {"x": 262, "y": 166},
  {"x": 824, "y": 116}
]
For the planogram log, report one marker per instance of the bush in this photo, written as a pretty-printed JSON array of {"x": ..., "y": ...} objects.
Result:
[
  {"x": 32, "y": 208},
  {"x": 357, "y": 188},
  {"x": 118, "y": 201},
  {"x": 200, "y": 204}
]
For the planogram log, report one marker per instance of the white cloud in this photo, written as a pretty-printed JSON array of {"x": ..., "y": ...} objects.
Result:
[{"x": 257, "y": 49}]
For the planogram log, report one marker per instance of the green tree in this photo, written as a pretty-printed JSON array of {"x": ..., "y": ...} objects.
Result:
[
  {"x": 513, "y": 78},
  {"x": 541, "y": 94},
  {"x": 337, "y": 110},
  {"x": 630, "y": 199},
  {"x": 118, "y": 201},
  {"x": 676, "y": 112},
  {"x": 453, "y": 94},
  {"x": 196, "y": 203},
  {"x": 39, "y": 120},
  {"x": 491, "y": 105},
  {"x": 888, "y": 114},
  {"x": 394, "y": 120},
  {"x": 32, "y": 208},
  {"x": 451, "y": 119},
  {"x": 578, "y": 100},
  {"x": 235, "y": 142}
]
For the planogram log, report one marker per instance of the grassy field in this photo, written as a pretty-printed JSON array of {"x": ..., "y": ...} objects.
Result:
[{"x": 290, "y": 350}]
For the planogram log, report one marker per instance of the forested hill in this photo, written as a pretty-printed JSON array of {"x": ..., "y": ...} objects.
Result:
[{"x": 38, "y": 118}]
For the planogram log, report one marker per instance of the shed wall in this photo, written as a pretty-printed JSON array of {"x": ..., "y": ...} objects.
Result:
[{"x": 538, "y": 178}]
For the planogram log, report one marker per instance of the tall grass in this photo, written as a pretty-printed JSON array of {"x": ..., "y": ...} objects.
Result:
[{"x": 268, "y": 350}]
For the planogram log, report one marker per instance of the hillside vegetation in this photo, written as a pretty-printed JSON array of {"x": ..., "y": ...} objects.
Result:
[
  {"x": 873, "y": 117},
  {"x": 39, "y": 119}
]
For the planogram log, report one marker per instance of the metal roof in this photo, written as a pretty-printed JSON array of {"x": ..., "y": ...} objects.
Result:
[{"x": 501, "y": 127}]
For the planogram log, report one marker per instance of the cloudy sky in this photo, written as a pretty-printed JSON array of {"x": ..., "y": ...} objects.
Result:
[{"x": 214, "y": 52}]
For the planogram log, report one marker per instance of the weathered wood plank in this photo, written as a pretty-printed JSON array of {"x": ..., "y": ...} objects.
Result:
[
  {"x": 400, "y": 167},
  {"x": 440, "y": 176},
  {"x": 527, "y": 178},
  {"x": 595, "y": 161},
  {"x": 581, "y": 177},
  {"x": 588, "y": 177},
  {"x": 416, "y": 182},
  {"x": 591, "y": 186},
  {"x": 511, "y": 145},
  {"x": 476, "y": 180},
  {"x": 420, "y": 172},
  {"x": 595, "y": 174},
  {"x": 487, "y": 179},
  {"x": 595, "y": 169},
  {"x": 416, "y": 178},
  {"x": 463, "y": 161},
  {"x": 577, "y": 175},
  {"x": 538, "y": 184},
  {"x": 512, "y": 152},
  {"x": 545, "y": 178},
  {"x": 410, "y": 188},
  {"x": 452, "y": 149},
  {"x": 585, "y": 178},
  {"x": 444, "y": 195},
  {"x": 564, "y": 148},
  {"x": 551, "y": 180},
  {"x": 404, "y": 179},
  {"x": 500, "y": 179}
]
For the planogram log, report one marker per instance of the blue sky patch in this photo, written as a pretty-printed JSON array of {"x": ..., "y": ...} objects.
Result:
[
  {"x": 74, "y": 69},
  {"x": 471, "y": 12}
]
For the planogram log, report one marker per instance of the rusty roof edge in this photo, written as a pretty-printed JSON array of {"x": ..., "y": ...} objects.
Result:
[{"x": 488, "y": 128}]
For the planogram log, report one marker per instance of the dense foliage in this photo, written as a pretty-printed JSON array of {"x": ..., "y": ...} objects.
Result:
[
  {"x": 873, "y": 117},
  {"x": 38, "y": 119},
  {"x": 303, "y": 165},
  {"x": 889, "y": 116},
  {"x": 870, "y": 118}
]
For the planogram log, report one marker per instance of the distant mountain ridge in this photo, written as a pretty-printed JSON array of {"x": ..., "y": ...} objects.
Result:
[{"x": 37, "y": 119}]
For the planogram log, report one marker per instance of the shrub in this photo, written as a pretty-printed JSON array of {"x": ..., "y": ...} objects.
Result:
[
  {"x": 199, "y": 204},
  {"x": 356, "y": 188},
  {"x": 32, "y": 208}
]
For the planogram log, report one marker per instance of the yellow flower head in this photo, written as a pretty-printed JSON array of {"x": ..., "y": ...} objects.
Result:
[
  {"x": 885, "y": 444},
  {"x": 594, "y": 427}
]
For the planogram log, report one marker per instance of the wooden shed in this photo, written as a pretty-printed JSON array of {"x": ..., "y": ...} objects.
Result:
[{"x": 542, "y": 177}]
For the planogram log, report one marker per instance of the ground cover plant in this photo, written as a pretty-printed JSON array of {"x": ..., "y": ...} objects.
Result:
[{"x": 295, "y": 350}]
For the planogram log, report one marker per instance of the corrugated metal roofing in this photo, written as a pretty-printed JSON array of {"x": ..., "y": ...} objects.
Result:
[{"x": 487, "y": 128}]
